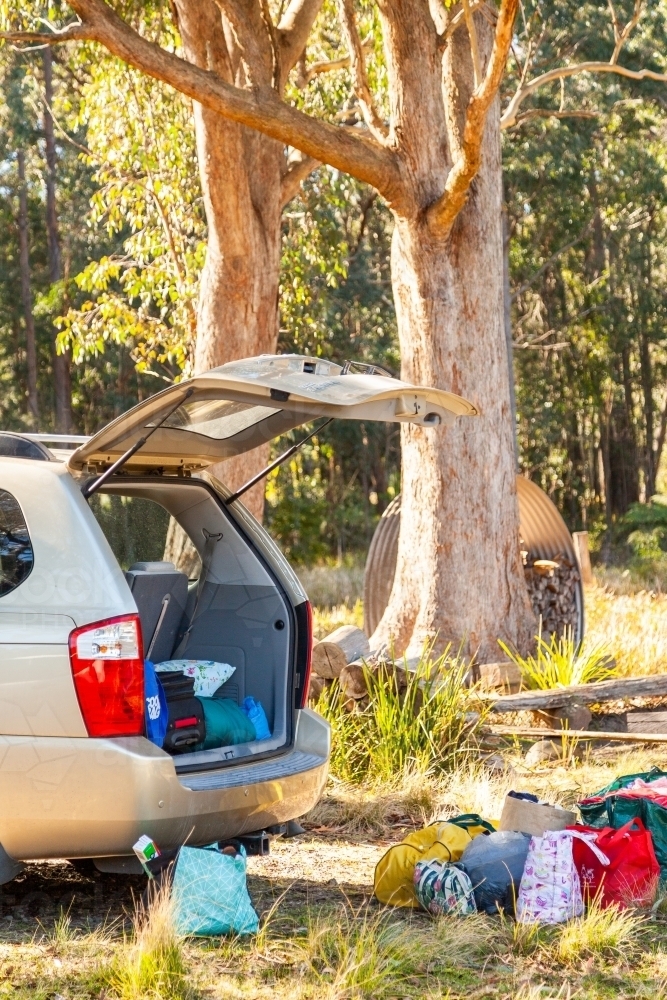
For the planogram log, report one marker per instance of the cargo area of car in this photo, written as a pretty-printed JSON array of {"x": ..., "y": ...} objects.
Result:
[{"x": 165, "y": 532}]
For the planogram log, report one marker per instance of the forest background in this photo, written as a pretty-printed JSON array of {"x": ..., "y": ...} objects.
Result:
[{"x": 586, "y": 253}]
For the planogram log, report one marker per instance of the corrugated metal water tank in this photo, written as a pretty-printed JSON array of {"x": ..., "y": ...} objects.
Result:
[{"x": 544, "y": 535}]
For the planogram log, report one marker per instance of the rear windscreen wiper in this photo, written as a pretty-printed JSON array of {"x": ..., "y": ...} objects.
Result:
[
  {"x": 94, "y": 485},
  {"x": 274, "y": 465}
]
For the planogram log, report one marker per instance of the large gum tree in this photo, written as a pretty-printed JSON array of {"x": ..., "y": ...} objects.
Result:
[{"x": 435, "y": 159}]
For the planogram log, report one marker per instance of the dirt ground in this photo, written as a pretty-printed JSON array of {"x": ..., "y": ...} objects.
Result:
[{"x": 311, "y": 872}]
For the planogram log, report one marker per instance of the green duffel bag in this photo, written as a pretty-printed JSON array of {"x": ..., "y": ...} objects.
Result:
[
  {"x": 226, "y": 724},
  {"x": 609, "y": 807}
]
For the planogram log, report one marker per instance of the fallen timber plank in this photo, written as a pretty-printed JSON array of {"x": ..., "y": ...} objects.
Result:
[
  {"x": 579, "y": 694},
  {"x": 579, "y": 734}
]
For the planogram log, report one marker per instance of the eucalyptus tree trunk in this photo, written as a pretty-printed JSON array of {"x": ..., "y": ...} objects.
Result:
[
  {"x": 241, "y": 174},
  {"x": 458, "y": 577},
  {"x": 26, "y": 294},
  {"x": 61, "y": 362}
]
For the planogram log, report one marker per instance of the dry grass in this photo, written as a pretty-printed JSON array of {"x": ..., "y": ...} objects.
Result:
[
  {"x": 330, "y": 585},
  {"x": 634, "y": 625},
  {"x": 611, "y": 931},
  {"x": 413, "y": 800},
  {"x": 325, "y": 620},
  {"x": 151, "y": 963},
  {"x": 320, "y": 944}
]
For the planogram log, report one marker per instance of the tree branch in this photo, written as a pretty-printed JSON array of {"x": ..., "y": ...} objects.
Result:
[
  {"x": 474, "y": 45},
  {"x": 621, "y": 35},
  {"x": 325, "y": 66},
  {"x": 526, "y": 116},
  {"x": 71, "y": 33},
  {"x": 260, "y": 108},
  {"x": 510, "y": 116},
  {"x": 293, "y": 30},
  {"x": 443, "y": 212},
  {"x": 460, "y": 17},
  {"x": 348, "y": 22},
  {"x": 298, "y": 168}
]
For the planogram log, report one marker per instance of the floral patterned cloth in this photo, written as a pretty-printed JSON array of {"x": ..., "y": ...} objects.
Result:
[
  {"x": 550, "y": 890},
  {"x": 443, "y": 888},
  {"x": 208, "y": 675}
]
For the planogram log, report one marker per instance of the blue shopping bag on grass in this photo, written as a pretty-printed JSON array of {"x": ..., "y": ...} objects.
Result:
[{"x": 210, "y": 893}]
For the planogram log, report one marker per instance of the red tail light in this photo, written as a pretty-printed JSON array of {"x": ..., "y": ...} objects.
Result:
[
  {"x": 304, "y": 652},
  {"x": 107, "y": 660}
]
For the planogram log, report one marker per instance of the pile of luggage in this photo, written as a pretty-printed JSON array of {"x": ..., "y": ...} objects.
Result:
[
  {"x": 185, "y": 713},
  {"x": 537, "y": 863}
]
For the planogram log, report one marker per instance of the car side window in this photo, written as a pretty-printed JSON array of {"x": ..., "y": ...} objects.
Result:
[
  {"x": 135, "y": 528},
  {"x": 16, "y": 556}
]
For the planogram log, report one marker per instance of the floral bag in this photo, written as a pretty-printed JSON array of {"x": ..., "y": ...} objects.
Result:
[
  {"x": 550, "y": 889},
  {"x": 443, "y": 888}
]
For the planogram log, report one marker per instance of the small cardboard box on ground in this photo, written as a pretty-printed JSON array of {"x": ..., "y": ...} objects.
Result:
[{"x": 524, "y": 816}]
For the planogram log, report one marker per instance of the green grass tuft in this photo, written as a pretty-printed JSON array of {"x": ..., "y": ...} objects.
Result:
[
  {"x": 421, "y": 729},
  {"x": 151, "y": 965},
  {"x": 562, "y": 662},
  {"x": 609, "y": 931}
]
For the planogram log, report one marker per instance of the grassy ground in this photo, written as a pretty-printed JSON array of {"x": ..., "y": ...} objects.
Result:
[
  {"x": 323, "y": 937},
  {"x": 70, "y": 936}
]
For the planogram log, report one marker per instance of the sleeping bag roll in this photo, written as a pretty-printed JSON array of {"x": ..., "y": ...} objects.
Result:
[{"x": 226, "y": 724}]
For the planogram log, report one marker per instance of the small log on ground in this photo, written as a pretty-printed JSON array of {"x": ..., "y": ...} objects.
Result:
[
  {"x": 574, "y": 716},
  {"x": 345, "y": 645},
  {"x": 505, "y": 676},
  {"x": 580, "y": 694},
  {"x": 317, "y": 685},
  {"x": 352, "y": 681},
  {"x": 581, "y": 734}
]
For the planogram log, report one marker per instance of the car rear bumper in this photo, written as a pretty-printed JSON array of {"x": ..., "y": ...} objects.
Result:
[{"x": 90, "y": 798}]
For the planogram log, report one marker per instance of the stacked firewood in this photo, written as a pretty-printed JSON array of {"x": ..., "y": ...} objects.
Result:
[
  {"x": 552, "y": 586},
  {"x": 342, "y": 656}
]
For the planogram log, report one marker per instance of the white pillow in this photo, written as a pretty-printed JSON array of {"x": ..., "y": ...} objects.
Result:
[{"x": 208, "y": 675}]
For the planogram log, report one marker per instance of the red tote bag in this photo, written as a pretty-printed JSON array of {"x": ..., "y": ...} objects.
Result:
[{"x": 632, "y": 875}]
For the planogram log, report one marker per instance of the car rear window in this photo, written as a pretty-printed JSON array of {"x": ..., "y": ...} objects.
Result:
[
  {"x": 16, "y": 557},
  {"x": 135, "y": 528}
]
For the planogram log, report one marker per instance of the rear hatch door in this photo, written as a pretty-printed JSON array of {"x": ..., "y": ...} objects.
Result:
[{"x": 244, "y": 404}]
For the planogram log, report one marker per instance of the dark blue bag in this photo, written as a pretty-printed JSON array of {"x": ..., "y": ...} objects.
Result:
[{"x": 157, "y": 712}]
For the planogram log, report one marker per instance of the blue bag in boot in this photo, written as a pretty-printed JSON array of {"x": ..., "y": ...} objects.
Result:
[{"x": 157, "y": 712}]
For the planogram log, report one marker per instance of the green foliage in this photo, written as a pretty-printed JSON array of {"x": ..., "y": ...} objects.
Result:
[
  {"x": 135, "y": 528},
  {"x": 100, "y": 390},
  {"x": 416, "y": 721},
  {"x": 562, "y": 662},
  {"x": 588, "y": 231},
  {"x": 141, "y": 149}
]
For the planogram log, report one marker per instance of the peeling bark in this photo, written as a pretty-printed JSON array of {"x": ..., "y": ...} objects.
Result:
[{"x": 459, "y": 577}]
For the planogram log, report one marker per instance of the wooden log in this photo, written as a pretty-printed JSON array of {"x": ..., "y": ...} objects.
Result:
[
  {"x": 345, "y": 645},
  {"x": 352, "y": 681},
  {"x": 582, "y": 694},
  {"x": 580, "y": 539},
  {"x": 505, "y": 675},
  {"x": 316, "y": 687},
  {"x": 573, "y": 716},
  {"x": 646, "y": 722},
  {"x": 579, "y": 734},
  {"x": 328, "y": 660}
]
